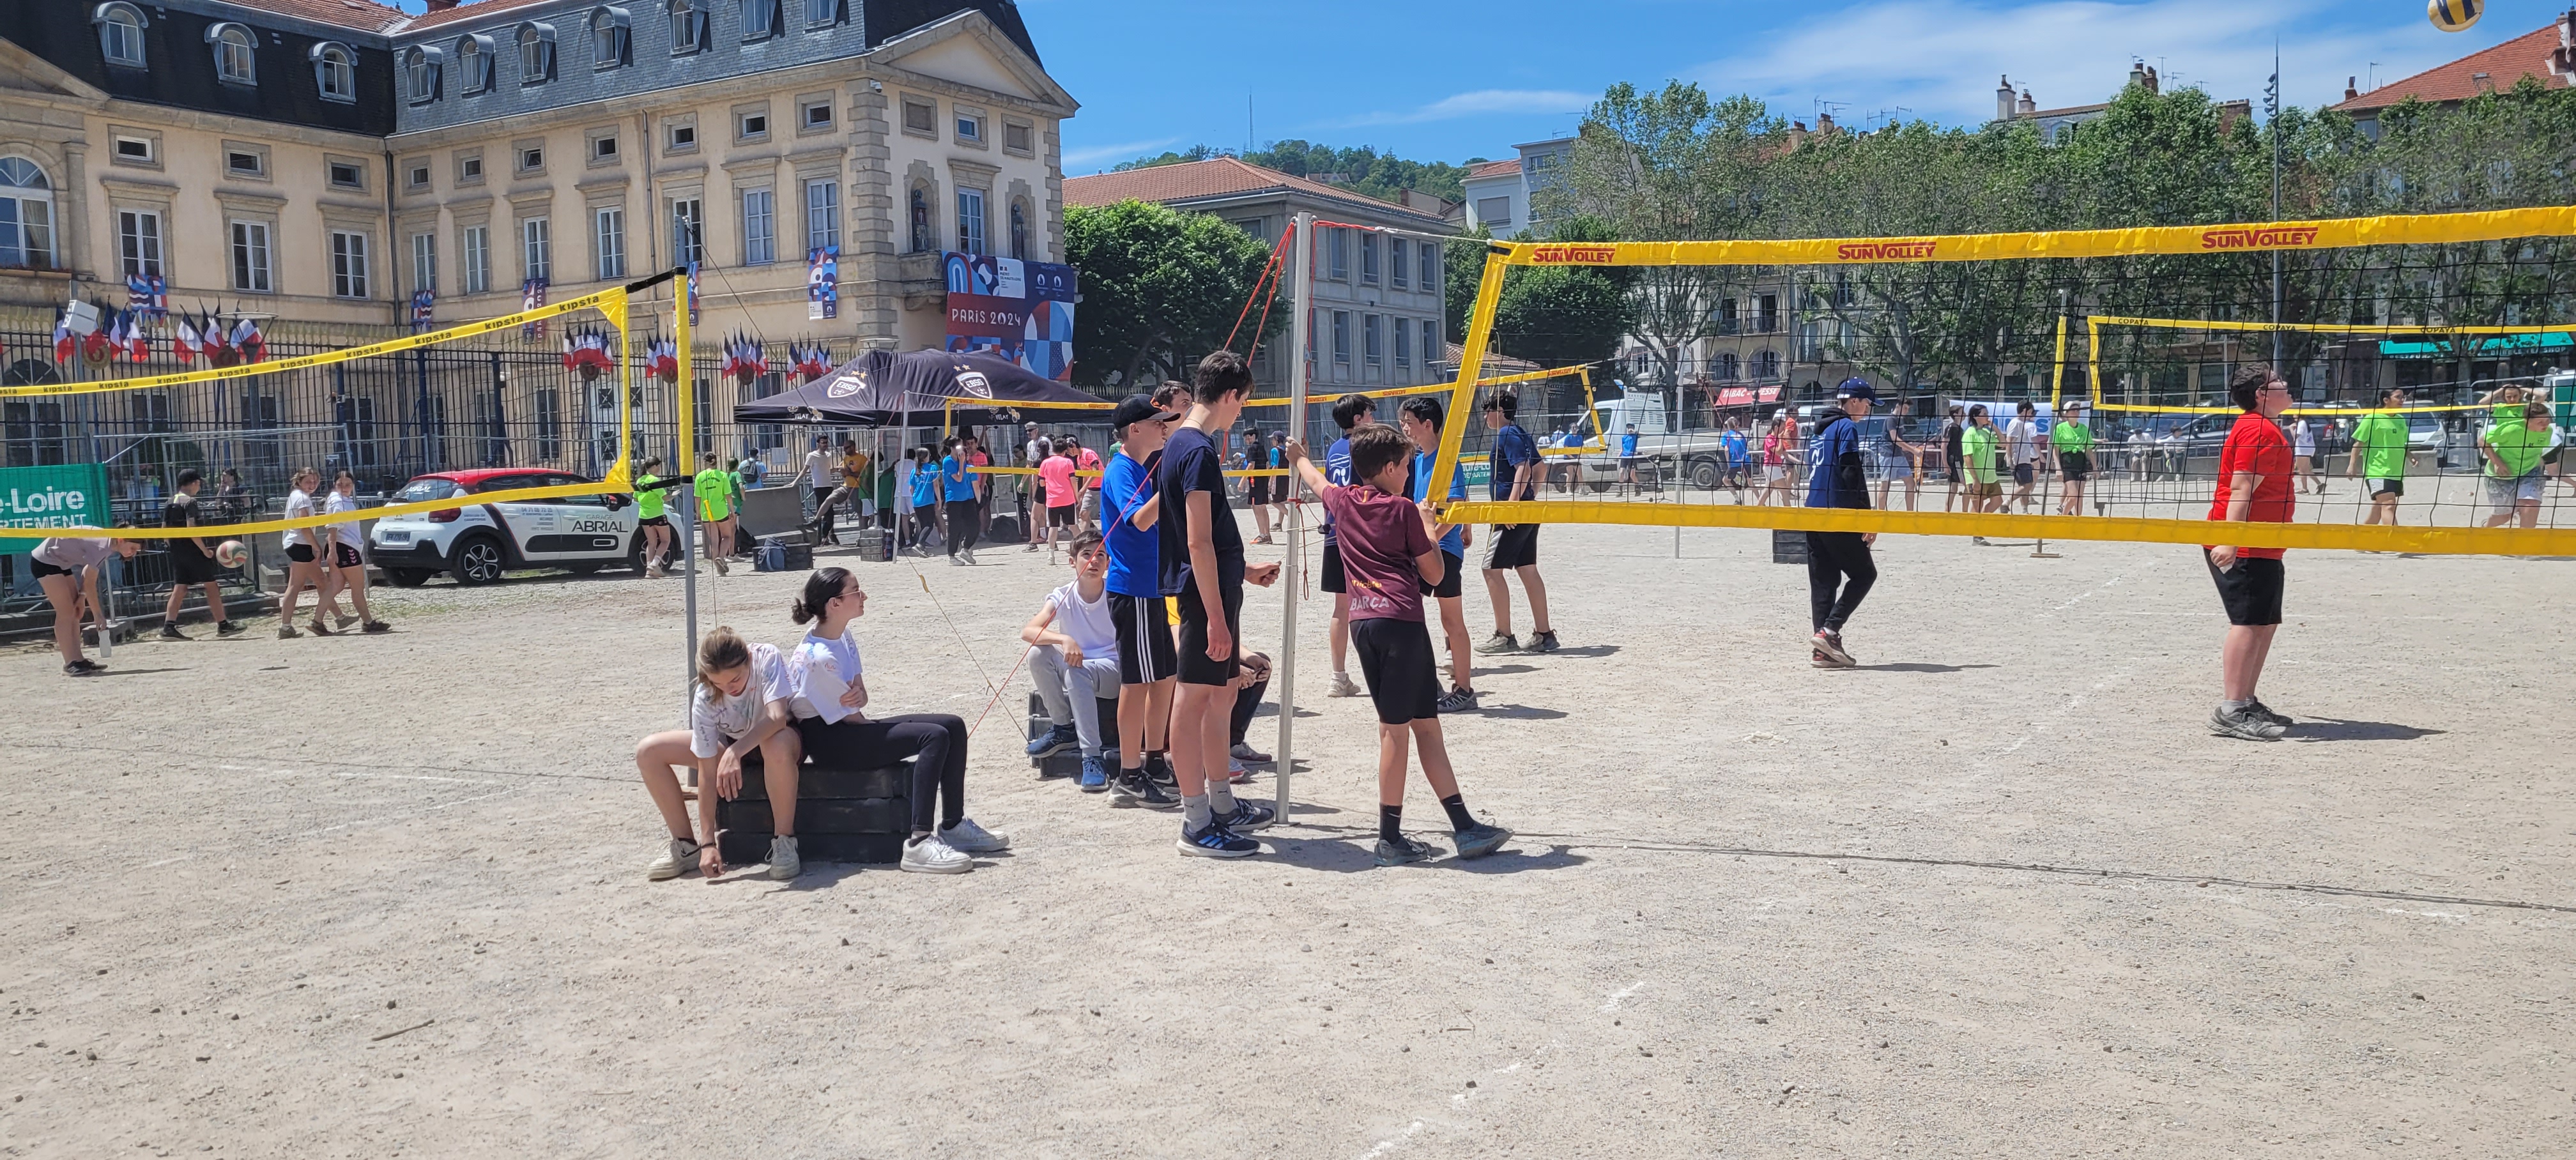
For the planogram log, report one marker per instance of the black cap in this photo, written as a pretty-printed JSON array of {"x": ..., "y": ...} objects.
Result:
[
  {"x": 1137, "y": 409},
  {"x": 1856, "y": 387}
]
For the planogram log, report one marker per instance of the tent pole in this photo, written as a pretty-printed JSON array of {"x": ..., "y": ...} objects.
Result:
[{"x": 1301, "y": 259}]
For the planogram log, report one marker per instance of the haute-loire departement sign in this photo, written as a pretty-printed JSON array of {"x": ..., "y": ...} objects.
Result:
[{"x": 68, "y": 495}]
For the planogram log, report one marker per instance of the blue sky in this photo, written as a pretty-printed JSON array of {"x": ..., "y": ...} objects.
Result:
[{"x": 1453, "y": 80}]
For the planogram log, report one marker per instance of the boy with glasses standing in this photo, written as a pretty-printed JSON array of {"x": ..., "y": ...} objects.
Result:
[{"x": 2254, "y": 469}]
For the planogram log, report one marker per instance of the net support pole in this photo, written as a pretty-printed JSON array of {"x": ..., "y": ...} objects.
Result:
[
  {"x": 688, "y": 508},
  {"x": 1300, "y": 328}
]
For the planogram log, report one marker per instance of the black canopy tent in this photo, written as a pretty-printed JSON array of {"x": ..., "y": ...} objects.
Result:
[{"x": 884, "y": 389}]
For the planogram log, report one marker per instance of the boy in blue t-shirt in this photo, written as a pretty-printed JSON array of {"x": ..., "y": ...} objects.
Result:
[
  {"x": 1737, "y": 451},
  {"x": 1515, "y": 470},
  {"x": 1350, "y": 413},
  {"x": 1200, "y": 560},
  {"x": 1420, "y": 417},
  {"x": 957, "y": 489},
  {"x": 1146, "y": 661}
]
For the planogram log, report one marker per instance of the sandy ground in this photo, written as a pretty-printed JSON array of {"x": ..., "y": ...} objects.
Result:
[{"x": 1995, "y": 893}]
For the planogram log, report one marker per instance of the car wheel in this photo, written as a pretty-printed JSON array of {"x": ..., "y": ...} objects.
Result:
[
  {"x": 407, "y": 577},
  {"x": 635, "y": 553},
  {"x": 1597, "y": 484},
  {"x": 1703, "y": 474},
  {"x": 477, "y": 560}
]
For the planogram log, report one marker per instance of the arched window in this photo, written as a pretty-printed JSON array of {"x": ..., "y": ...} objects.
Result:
[
  {"x": 608, "y": 41},
  {"x": 920, "y": 220},
  {"x": 536, "y": 54},
  {"x": 1766, "y": 366},
  {"x": 1019, "y": 230},
  {"x": 420, "y": 76},
  {"x": 26, "y": 215},
  {"x": 120, "y": 33},
  {"x": 335, "y": 71},
  {"x": 759, "y": 19},
  {"x": 688, "y": 27},
  {"x": 236, "y": 53},
  {"x": 474, "y": 64},
  {"x": 1728, "y": 369}
]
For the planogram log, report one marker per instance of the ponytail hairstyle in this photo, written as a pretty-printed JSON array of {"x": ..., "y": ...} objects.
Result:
[
  {"x": 720, "y": 651},
  {"x": 821, "y": 588}
]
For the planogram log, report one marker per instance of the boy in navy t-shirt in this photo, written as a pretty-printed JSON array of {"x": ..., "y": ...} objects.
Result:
[
  {"x": 1515, "y": 468},
  {"x": 1201, "y": 563},
  {"x": 1146, "y": 662}
]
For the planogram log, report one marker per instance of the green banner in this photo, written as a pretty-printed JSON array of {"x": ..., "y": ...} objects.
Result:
[{"x": 66, "y": 495}]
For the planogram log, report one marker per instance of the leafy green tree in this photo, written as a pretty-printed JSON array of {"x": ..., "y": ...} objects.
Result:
[
  {"x": 1160, "y": 288},
  {"x": 1561, "y": 316}
]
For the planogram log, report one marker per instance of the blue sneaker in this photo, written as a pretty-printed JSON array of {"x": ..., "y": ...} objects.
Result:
[
  {"x": 1481, "y": 839},
  {"x": 1055, "y": 740},
  {"x": 1095, "y": 774},
  {"x": 1216, "y": 842},
  {"x": 1248, "y": 816}
]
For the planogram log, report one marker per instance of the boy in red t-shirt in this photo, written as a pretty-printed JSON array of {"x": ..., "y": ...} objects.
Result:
[
  {"x": 1387, "y": 545},
  {"x": 2254, "y": 467}
]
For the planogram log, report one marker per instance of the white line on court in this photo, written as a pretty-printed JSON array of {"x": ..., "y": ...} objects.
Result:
[
  {"x": 1457, "y": 1102},
  {"x": 1621, "y": 996}
]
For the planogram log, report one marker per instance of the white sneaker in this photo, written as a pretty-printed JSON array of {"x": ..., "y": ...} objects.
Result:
[
  {"x": 970, "y": 838},
  {"x": 932, "y": 856},
  {"x": 783, "y": 862},
  {"x": 1343, "y": 686},
  {"x": 969, "y": 553},
  {"x": 679, "y": 859}
]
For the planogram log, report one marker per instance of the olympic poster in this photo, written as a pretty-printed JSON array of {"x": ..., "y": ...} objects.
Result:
[
  {"x": 1020, "y": 310},
  {"x": 823, "y": 282}
]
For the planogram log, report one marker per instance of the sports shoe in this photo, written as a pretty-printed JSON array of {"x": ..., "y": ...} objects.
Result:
[
  {"x": 171, "y": 632},
  {"x": 1235, "y": 773},
  {"x": 1501, "y": 642},
  {"x": 720, "y": 566},
  {"x": 1979, "y": 541},
  {"x": 1458, "y": 701},
  {"x": 1055, "y": 740},
  {"x": 680, "y": 858},
  {"x": 1095, "y": 774},
  {"x": 653, "y": 571},
  {"x": 2265, "y": 712},
  {"x": 375, "y": 626},
  {"x": 1342, "y": 686},
  {"x": 969, "y": 553},
  {"x": 1132, "y": 789},
  {"x": 314, "y": 626},
  {"x": 1544, "y": 642},
  {"x": 783, "y": 862},
  {"x": 1830, "y": 643},
  {"x": 1243, "y": 751},
  {"x": 342, "y": 620},
  {"x": 2243, "y": 725},
  {"x": 1481, "y": 839},
  {"x": 1216, "y": 842},
  {"x": 287, "y": 632},
  {"x": 82, "y": 668},
  {"x": 1401, "y": 850},
  {"x": 1158, "y": 769},
  {"x": 1825, "y": 662},
  {"x": 228, "y": 628},
  {"x": 932, "y": 856},
  {"x": 970, "y": 838},
  {"x": 1248, "y": 816}
]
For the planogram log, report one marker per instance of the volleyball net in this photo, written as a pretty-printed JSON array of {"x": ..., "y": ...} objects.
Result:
[
  {"x": 234, "y": 408},
  {"x": 2068, "y": 385}
]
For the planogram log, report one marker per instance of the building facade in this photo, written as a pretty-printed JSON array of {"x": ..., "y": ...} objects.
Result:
[
  {"x": 1500, "y": 194},
  {"x": 1377, "y": 318},
  {"x": 2545, "y": 54}
]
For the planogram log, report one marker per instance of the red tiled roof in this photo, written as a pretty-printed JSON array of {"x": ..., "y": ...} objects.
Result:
[
  {"x": 358, "y": 14},
  {"x": 1493, "y": 168},
  {"x": 475, "y": 11},
  {"x": 1215, "y": 177},
  {"x": 2505, "y": 65}
]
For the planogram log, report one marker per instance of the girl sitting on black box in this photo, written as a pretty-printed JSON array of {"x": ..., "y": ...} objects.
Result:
[{"x": 740, "y": 706}]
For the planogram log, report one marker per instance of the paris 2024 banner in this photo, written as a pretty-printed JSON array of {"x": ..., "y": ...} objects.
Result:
[{"x": 1021, "y": 310}]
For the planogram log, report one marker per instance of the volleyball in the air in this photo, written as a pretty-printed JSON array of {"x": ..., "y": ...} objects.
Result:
[
  {"x": 230, "y": 553},
  {"x": 2453, "y": 15}
]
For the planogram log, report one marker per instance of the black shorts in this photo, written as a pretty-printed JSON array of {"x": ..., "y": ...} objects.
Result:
[
  {"x": 654, "y": 522},
  {"x": 1144, "y": 638},
  {"x": 1954, "y": 474},
  {"x": 2024, "y": 473},
  {"x": 1194, "y": 667},
  {"x": 2251, "y": 590},
  {"x": 1334, "y": 580},
  {"x": 38, "y": 570},
  {"x": 2391, "y": 488},
  {"x": 1450, "y": 566},
  {"x": 1060, "y": 517},
  {"x": 2077, "y": 465},
  {"x": 346, "y": 556},
  {"x": 1396, "y": 660},
  {"x": 190, "y": 566},
  {"x": 300, "y": 553},
  {"x": 1513, "y": 546},
  {"x": 2552, "y": 457}
]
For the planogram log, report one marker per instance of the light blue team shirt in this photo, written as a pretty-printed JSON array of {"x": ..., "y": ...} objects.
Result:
[
  {"x": 1454, "y": 541},
  {"x": 957, "y": 483}
]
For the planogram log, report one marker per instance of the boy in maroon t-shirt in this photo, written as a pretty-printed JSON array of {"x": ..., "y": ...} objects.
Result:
[
  {"x": 2253, "y": 487},
  {"x": 1388, "y": 553}
]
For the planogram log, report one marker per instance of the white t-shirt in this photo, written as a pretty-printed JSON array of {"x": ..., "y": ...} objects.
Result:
[
  {"x": 2303, "y": 438},
  {"x": 716, "y": 721},
  {"x": 903, "y": 472},
  {"x": 818, "y": 469},
  {"x": 349, "y": 531},
  {"x": 298, "y": 506},
  {"x": 1087, "y": 623},
  {"x": 819, "y": 672},
  {"x": 2022, "y": 438}
]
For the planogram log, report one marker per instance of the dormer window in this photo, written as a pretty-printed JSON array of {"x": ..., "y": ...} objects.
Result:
[
  {"x": 688, "y": 27},
  {"x": 608, "y": 38},
  {"x": 536, "y": 53},
  {"x": 420, "y": 76},
  {"x": 120, "y": 33},
  {"x": 822, "y": 13},
  {"x": 474, "y": 64},
  {"x": 236, "y": 54},
  {"x": 759, "y": 19},
  {"x": 335, "y": 71}
]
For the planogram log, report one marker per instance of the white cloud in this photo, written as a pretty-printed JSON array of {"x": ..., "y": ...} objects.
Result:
[
  {"x": 1482, "y": 102},
  {"x": 1079, "y": 158},
  {"x": 1938, "y": 59}
]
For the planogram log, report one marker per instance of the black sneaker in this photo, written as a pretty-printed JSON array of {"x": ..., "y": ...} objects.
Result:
[
  {"x": 82, "y": 668},
  {"x": 1132, "y": 788},
  {"x": 1481, "y": 839},
  {"x": 228, "y": 628},
  {"x": 1216, "y": 842},
  {"x": 1544, "y": 642},
  {"x": 1458, "y": 701},
  {"x": 171, "y": 632},
  {"x": 1248, "y": 816},
  {"x": 1158, "y": 769},
  {"x": 2259, "y": 709},
  {"x": 1402, "y": 850}
]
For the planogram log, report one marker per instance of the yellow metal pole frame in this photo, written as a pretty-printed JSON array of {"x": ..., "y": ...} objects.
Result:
[{"x": 1471, "y": 359}]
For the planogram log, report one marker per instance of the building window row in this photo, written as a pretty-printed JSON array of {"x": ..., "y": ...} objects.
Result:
[
  {"x": 1379, "y": 348},
  {"x": 1395, "y": 272},
  {"x": 609, "y": 29}
]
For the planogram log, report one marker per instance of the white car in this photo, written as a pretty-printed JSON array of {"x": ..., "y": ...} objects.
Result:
[{"x": 476, "y": 543}]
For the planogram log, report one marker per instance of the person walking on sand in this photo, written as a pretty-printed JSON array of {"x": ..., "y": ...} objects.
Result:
[
  {"x": 1514, "y": 468},
  {"x": 1839, "y": 569},
  {"x": 1898, "y": 459},
  {"x": 2073, "y": 440},
  {"x": 2379, "y": 457},
  {"x": 192, "y": 563}
]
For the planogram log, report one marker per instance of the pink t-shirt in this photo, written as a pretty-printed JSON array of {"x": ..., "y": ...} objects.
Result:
[
  {"x": 1057, "y": 471},
  {"x": 1089, "y": 460}
]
